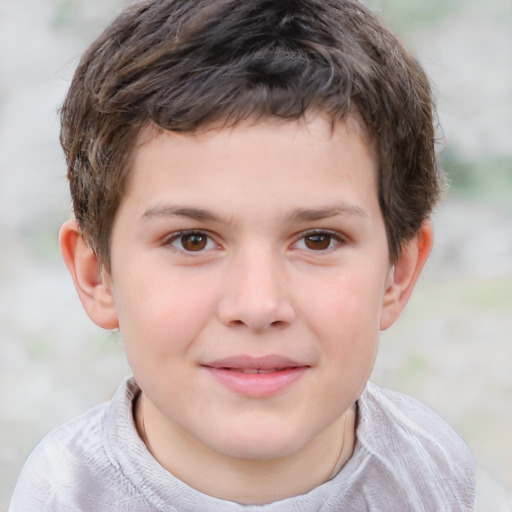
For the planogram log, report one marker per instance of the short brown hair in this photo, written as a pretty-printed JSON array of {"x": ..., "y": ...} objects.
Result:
[{"x": 181, "y": 65}]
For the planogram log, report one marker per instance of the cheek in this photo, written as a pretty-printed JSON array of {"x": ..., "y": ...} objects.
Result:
[
  {"x": 345, "y": 318},
  {"x": 162, "y": 320},
  {"x": 344, "y": 306}
]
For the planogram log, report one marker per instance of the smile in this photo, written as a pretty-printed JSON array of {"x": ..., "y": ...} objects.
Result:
[
  {"x": 257, "y": 370},
  {"x": 256, "y": 377}
]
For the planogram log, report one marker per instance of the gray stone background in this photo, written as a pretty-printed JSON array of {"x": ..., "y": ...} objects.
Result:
[{"x": 453, "y": 346}]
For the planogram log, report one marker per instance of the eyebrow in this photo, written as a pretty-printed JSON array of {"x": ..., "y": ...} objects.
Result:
[
  {"x": 176, "y": 211},
  {"x": 312, "y": 214},
  {"x": 299, "y": 215}
]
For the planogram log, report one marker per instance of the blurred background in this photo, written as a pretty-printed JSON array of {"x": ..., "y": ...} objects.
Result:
[{"x": 453, "y": 346}]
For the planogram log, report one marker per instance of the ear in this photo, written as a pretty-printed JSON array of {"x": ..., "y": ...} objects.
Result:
[
  {"x": 404, "y": 273},
  {"x": 92, "y": 282}
]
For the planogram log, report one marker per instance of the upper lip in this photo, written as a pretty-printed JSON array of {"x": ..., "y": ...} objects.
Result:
[{"x": 246, "y": 362}]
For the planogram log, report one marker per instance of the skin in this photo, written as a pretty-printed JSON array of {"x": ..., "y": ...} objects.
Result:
[{"x": 288, "y": 258}]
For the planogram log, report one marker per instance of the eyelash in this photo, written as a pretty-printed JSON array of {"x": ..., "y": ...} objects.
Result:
[
  {"x": 332, "y": 236},
  {"x": 322, "y": 234},
  {"x": 180, "y": 235}
]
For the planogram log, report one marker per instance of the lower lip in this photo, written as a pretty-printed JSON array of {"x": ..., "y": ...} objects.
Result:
[{"x": 258, "y": 385}]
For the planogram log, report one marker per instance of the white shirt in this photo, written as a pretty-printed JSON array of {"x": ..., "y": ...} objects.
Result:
[{"x": 406, "y": 458}]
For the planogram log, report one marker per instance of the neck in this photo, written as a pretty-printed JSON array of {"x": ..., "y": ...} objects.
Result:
[{"x": 250, "y": 481}]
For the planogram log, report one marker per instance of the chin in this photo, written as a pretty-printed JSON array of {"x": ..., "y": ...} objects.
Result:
[
  {"x": 260, "y": 445},
  {"x": 258, "y": 453}
]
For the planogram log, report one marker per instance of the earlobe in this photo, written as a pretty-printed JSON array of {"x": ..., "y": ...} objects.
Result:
[
  {"x": 404, "y": 274},
  {"x": 92, "y": 283}
]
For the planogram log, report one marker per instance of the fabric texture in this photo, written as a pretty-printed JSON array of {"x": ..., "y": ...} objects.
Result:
[{"x": 406, "y": 458}]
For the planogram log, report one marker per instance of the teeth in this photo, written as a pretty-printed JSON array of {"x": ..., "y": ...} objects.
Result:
[{"x": 257, "y": 370}]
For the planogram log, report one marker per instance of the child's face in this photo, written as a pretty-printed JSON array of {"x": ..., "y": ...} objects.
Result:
[{"x": 257, "y": 247}]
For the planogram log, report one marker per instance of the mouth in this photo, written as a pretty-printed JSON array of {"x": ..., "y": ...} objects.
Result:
[
  {"x": 257, "y": 377},
  {"x": 249, "y": 364},
  {"x": 258, "y": 370}
]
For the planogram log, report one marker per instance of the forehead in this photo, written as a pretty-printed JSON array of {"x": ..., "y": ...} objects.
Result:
[
  {"x": 299, "y": 161},
  {"x": 315, "y": 121}
]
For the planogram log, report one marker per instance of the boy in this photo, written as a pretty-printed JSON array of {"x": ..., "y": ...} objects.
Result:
[{"x": 252, "y": 182}]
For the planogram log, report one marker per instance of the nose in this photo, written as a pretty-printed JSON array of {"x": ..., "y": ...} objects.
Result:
[{"x": 255, "y": 293}]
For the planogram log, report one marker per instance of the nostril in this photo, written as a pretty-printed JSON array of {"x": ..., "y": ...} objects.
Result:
[
  {"x": 241, "y": 323},
  {"x": 255, "y": 313}
]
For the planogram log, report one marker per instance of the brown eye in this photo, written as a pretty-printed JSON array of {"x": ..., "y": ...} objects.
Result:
[
  {"x": 194, "y": 242},
  {"x": 318, "y": 242},
  {"x": 191, "y": 242}
]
